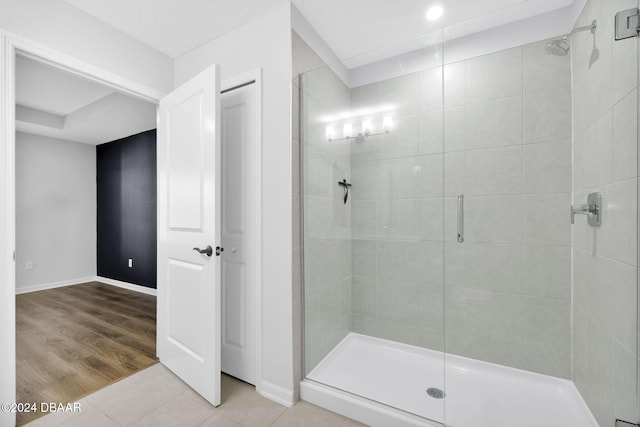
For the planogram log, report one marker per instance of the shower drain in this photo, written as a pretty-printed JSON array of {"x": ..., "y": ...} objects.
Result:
[{"x": 436, "y": 393}]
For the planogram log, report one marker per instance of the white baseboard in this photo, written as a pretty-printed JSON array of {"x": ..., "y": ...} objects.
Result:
[
  {"x": 127, "y": 285},
  {"x": 52, "y": 285},
  {"x": 60, "y": 284},
  {"x": 276, "y": 393}
]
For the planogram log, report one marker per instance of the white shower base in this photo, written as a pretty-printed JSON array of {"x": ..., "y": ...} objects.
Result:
[{"x": 478, "y": 394}]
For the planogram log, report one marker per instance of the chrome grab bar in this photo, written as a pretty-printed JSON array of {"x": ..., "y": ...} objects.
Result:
[{"x": 460, "y": 218}]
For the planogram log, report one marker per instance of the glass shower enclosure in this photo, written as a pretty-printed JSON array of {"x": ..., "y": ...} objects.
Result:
[
  {"x": 443, "y": 280},
  {"x": 373, "y": 221}
]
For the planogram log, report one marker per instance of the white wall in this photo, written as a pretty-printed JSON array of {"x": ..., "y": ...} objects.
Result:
[
  {"x": 60, "y": 26},
  {"x": 55, "y": 211},
  {"x": 265, "y": 42}
]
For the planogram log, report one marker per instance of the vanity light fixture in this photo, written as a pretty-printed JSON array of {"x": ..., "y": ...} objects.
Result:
[
  {"x": 330, "y": 133},
  {"x": 347, "y": 130},
  {"x": 366, "y": 127},
  {"x": 387, "y": 123}
]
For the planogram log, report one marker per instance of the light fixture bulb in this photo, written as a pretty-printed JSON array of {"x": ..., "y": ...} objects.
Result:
[
  {"x": 347, "y": 130},
  {"x": 330, "y": 133},
  {"x": 387, "y": 123},
  {"x": 366, "y": 127},
  {"x": 435, "y": 12}
]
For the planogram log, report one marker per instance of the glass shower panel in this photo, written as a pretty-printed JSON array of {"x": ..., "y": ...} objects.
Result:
[
  {"x": 508, "y": 153},
  {"x": 530, "y": 132},
  {"x": 373, "y": 222},
  {"x": 508, "y": 192},
  {"x": 327, "y": 220},
  {"x": 636, "y": 123}
]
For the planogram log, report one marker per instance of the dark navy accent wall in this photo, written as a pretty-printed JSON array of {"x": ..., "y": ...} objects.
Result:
[{"x": 126, "y": 181}]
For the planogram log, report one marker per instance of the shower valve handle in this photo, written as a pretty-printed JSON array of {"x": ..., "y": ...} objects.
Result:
[
  {"x": 582, "y": 210},
  {"x": 593, "y": 209}
]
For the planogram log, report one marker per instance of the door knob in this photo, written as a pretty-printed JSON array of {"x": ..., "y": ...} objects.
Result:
[{"x": 208, "y": 250}]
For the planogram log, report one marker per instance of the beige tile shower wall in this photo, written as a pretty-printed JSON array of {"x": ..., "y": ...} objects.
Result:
[
  {"x": 397, "y": 212},
  {"x": 327, "y": 220},
  {"x": 508, "y": 287},
  {"x": 605, "y": 287},
  {"x": 504, "y": 140}
]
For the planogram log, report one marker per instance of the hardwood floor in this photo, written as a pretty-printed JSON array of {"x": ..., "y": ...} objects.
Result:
[{"x": 75, "y": 340}]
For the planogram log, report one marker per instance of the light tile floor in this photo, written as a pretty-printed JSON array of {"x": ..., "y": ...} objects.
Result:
[{"x": 155, "y": 397}]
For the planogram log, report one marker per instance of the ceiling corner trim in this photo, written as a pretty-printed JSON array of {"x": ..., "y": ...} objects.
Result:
[{"x": 305, "y": 30}]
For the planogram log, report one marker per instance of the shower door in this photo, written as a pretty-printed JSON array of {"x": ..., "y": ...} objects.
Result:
[
  {"x": 507, "y": 256},
  {"x": 528, "y": 134}
]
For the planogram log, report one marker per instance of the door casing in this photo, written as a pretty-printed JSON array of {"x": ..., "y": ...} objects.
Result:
[
  {"x": 254, "y": 157},
  {"x": 10, "y": 46}
]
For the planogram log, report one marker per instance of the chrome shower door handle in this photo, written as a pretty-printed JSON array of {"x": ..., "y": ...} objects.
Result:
[{"x": 460, "y": 218}]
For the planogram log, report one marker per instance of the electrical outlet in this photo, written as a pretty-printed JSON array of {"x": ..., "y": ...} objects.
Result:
[
  {"x": 130, "y": 262},
  {"x": 28, "y": 265}
]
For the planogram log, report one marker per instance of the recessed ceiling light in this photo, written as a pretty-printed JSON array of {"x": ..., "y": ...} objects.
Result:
[{"x": 435, "y": 12}]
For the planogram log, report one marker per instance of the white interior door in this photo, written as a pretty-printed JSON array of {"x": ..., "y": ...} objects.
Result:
[
  {"x": 239, "y": 125},
  {"x": 188, "y": 319}
]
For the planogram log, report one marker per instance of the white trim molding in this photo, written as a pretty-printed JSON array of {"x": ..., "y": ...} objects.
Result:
[
  {"x": 53, "y": 285},
  {"x": 54, "y": 58},
  {"x": 10, "y": 46},
  {"x": 278, "y": 394},
  {"x": 126, "y": 285},
  {"x": 82, "y": 280},
  {"x": 7, "y": 230},
  {"x": 256, "y": 76}
]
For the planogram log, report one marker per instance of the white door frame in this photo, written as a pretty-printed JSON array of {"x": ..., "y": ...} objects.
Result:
[
  {"x": 255, "y": 149},
  {"x": 10, "y": 45}
]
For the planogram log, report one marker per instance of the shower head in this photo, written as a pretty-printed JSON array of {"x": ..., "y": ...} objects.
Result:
[{"x": 558, "y": 47}]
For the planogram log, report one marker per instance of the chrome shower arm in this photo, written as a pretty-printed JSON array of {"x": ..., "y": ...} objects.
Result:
[{"x": 591, "y": 28}]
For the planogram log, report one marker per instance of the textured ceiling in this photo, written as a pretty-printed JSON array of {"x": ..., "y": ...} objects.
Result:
[
  {"x": 175, "y": 26},
  {"x": 350, "y": 27}
]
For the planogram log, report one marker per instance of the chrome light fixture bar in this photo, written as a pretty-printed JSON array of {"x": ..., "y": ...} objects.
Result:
[{"x": 347, "y": 131}]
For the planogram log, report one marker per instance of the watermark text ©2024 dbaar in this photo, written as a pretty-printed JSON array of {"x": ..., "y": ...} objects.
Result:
[{"x": 47, "y": 407}]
